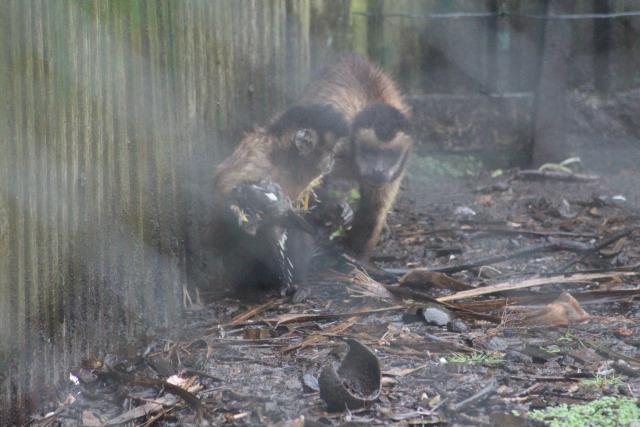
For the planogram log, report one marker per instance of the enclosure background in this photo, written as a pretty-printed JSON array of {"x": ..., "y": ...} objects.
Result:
[{"x": 114, "y": 114}]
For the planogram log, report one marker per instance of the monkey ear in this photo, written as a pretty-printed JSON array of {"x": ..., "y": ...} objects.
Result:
[{"x": 305, "y": 141}]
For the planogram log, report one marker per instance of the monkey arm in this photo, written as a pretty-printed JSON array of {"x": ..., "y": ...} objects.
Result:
[{"x": 370, "y": 217}]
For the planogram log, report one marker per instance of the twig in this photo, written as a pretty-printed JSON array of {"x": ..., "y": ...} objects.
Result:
[
  {"x": 243, "y": 317},
  {"x": 417, "y": 295},
  {"x": 437, "y": 406},
  {"x": 161, "y": 414},
  {"x": 498, "y": 258},
  {"x": 628, "y": 267},
  {"x": 288, "y": 318},
  {"x": 201, "y": 374},
  {"x": 398, "y": 271},
  {"x": 294, "y": 318},
  {"x": 544, "y": 378},
  {"x": 584, "y": 298},
  {"x": 553, "y": 245},
  {"x": 499, "y": 230},
  {"x": 610, "y": 353},
  {"x": 602, "y": 244},
  {"x": 537, "y": 281},
  {"x": 486, "y": 391},
  {"x": 372, "y": 270},
  {"x": 556, "y": 175},
  {"x": 316, "y": 338},
  {"x": 450, "y": 344},
  {"x": 540, "y": 233},
  {"x": 191, "y": 399}
]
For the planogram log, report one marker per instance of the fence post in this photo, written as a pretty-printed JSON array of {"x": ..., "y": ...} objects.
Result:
[
  {"x": 549, "y": 142},
  {"x": 375, "y": 31},
  {"x": 601, "y": 47}
]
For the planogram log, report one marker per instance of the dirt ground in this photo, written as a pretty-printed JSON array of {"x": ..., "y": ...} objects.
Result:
[{"x": 248, "y": 364}]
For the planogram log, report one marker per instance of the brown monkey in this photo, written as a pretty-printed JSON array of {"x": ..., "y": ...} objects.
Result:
[
  {"x": 294, "y": 150},
  {"x": 379, "y": 144},
  {"x": 256, "y": 235}
]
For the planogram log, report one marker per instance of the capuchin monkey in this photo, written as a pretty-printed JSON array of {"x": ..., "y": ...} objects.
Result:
[
  {"x": 379, "y": 143},
  {"x": 261, "y": 240}
]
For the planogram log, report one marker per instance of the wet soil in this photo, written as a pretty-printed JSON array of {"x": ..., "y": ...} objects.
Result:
[{"x": 261, "y": 367}]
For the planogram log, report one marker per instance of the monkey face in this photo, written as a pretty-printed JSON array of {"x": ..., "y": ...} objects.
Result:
[
  {"x": 380, "y": 144},
  {"x": 380, "y": 163}
]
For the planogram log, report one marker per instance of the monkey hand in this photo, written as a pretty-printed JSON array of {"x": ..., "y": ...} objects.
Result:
[
  {"x": 253, "y": 204},
  {"x": 332, "y": 214}
]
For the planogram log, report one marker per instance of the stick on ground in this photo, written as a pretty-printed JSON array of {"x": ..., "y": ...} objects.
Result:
[{"x": 537, "y": 281}]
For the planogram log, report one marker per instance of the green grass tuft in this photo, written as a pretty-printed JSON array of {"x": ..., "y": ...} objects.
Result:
[
  {"x": 605, "y": 412},
  {"x": 602, "y": 381},
  {"x": 478, "y": 358}
]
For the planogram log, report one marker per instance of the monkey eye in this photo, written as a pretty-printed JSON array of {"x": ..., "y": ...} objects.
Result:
[{"x": 304, "y": 140}]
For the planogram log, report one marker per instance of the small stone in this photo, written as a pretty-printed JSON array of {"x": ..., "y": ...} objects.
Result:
[
  {"x": 516, "y": 356},
  {"x": 457, "y": 325},
  {"x": 436, "y": 315},
  {"x": 626, "y": 369},
  {"x": 565, "y": 211},
  {"x": 497, "y": 344},
  {"x": 310, "y": 383},
  {"x": 464, "y": 213}
]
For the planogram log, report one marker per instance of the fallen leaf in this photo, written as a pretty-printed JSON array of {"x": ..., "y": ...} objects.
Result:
[
  {"x": 625, "y": 332},
  {"x": 565, "y": 310},
  {"x": 484, "y": 199},
  {"x": 90, "y": 420},
  {"x": 177, "y": 380},
  {"x": 413, "y": 240}
]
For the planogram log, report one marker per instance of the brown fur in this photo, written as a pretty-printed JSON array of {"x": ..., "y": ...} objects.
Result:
[
  {"x": 292, "y": 151},
  {"x": 255, "y": 159},
  {"x": 295, "y": 149},
  {"x": 350, "y": 86}
]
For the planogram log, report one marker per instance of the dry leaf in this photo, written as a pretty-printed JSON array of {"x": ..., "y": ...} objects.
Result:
[
  {"x": 625, "y": 332},
  {"x": 90, "y": 420},
  {"x": 564, "y": 310},
  {"x": 485, "y": 200},
  {"x": 413, "y": 240}
]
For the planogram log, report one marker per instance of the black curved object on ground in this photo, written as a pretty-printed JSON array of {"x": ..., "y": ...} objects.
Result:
[{"x": 356, "y": 383}]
